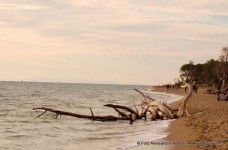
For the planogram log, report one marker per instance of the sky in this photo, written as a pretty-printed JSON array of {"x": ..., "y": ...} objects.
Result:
[{"x": 108, "y": 41}]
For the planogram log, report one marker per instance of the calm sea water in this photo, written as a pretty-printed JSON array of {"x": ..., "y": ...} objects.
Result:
[{"x": 22, "y": 130}]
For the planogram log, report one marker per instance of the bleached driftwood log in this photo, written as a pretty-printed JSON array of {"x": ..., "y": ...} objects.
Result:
[
  {"x": 164, "y": 109},
  {"x": 183, "y": 108},
  {"x": 153, "y": 104}
]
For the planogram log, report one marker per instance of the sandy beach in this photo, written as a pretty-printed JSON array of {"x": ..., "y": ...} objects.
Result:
[
  {"x": 208, "y": 123},
  {"x": 206, "y": 128}
]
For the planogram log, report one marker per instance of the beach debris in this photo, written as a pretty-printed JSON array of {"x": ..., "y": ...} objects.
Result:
[
  {"x": 92, "y": 117},
  {"x": 160, "y": 110},
  {"x": 132, "y": 116},
  {"x": 156, "y": 109},
  {"x": 183, "y": 108}
]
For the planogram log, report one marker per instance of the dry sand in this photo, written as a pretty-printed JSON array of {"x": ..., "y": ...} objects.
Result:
[
  {"x": 206, "y": 128},
  {"x": 208, "y": 122}
]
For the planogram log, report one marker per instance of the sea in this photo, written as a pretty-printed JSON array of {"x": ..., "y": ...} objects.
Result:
[{"x": 21, "y": 129}]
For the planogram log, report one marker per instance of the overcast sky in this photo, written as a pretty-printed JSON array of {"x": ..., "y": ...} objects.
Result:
[{"x": 108, "y": 41}]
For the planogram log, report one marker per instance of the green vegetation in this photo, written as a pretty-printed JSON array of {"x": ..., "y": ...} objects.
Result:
[{"x": 208, "y": 73}]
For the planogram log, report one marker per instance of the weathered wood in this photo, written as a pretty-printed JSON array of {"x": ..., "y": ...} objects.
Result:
[
  {"x": 132, "y": 118},
  {"x": 145, "y": 96},
  {"x": 154, "y": 114},
  {"x": 97, "y": 118},
  {"x": 136, "y": 108},
  {"x": 121, "y": 113},
  {"x": 162, "y": 108},
  {"x": 182, "y": 108},
  {"x": 124, "y": 108},
  {"x": 42, "y": 114},
  {"x": 143, "y": 115},
  {"x": 171, "y": 109},
  {"x": 152, "y": 103},
  {"x": 91, "y": 112},
  {"x": 187, "y": 112},
  {"x": 168, "y": 107}
]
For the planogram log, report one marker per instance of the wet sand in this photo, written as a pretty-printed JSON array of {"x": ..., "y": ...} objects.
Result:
[{"x": 205, "y": 129}]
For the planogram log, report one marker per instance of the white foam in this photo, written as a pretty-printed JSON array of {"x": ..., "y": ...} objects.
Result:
[
  {"x": 153, "y": 132},
  {"x": 163, "y": 97}
]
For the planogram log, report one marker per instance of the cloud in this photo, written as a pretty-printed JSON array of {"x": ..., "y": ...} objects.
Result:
[
  {"x": 13, "y": 6},
  {"x": 109, "y": 27}
]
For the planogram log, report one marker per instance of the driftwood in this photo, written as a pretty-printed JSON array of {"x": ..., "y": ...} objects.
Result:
[
  {"x": 92, "y": 117},
  {"x": 124, "y": 108},
  {"x": 154, "y": 114},
  {"x": 182, "y": 108},
  {"x": 166, "y": 111},
  {"x": 156, "y": 109},
  {"x": 145, "y": 96},
  {"x": 131, "y": 117},
  {"x": 150, "y": 102}
]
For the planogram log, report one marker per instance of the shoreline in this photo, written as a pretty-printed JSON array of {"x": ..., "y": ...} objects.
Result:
[
  {"x": 175, "y": 104},
  {"x": 206, "y": 128}
]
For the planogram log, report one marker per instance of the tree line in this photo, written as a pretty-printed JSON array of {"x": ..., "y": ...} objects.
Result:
[{"x": 208, "y": 73}]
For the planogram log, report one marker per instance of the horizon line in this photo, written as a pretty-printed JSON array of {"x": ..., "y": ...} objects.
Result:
[{"x": 62, "y": 82}]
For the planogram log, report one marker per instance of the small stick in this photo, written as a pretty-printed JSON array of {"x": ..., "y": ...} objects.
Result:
[
  {"x": 91, "y": 112},
  {"x": 132, "y": 118},
  {"x": 165, "y": 104},
  {"x": 144, "y": 113},
  {"x": 56, "y": 116},
  {"x": 42, "y": 113},
  {"x": 145, "y": 96},
  {"x": 120, "y": 113}
]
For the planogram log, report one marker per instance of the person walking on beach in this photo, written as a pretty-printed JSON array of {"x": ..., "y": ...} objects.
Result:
[
  {"x": 195, "y": 88},
  {"x": 219, "y": 86},
  {"x": 226, "y": 94}
]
